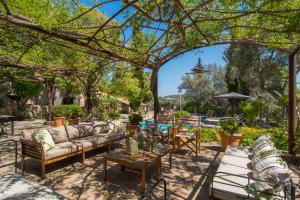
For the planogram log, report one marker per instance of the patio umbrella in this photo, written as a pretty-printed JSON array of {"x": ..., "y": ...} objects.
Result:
[{"x": 234, "y": 97}]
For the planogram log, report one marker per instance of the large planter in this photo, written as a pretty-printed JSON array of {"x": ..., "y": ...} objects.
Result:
[
  {"x": 59, "y": 121},
  {"x": 233, "y": 140},
  {"x": 133, "y": 129}
]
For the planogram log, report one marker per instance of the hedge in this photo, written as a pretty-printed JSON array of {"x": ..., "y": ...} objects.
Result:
[{"x": 278, "y": 135}]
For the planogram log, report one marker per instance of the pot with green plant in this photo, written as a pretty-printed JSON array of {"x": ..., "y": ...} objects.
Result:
[
  {"x": 229, "y": 133},
  {"x": 73, "y": 113},
  {"x": 58, "y": 112},
  {"x": 133, "y": 127}
]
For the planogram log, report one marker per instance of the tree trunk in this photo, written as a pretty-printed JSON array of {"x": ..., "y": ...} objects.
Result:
[
  {"x": 88, "y": 95},
  {"x": 154, "y": 90},
  {"x": 292, "y": 140},
  {"x": 49, "y": 84}
]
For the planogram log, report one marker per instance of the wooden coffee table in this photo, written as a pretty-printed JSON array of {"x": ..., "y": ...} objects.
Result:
[{"x": 141, "y": 161}]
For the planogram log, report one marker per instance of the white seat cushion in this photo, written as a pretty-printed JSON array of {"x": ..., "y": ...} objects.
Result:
[
  {"x": 62, "y": 149},
  {"x": 236, "y": 167}
]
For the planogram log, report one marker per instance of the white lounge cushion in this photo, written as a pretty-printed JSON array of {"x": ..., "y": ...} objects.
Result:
[
  {"x": 236, "y": 166},
  {"x": 59, "y": 134},
  {"x": 62, "y": 149}
]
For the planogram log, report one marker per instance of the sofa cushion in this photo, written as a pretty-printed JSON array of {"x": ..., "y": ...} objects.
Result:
[
  {"x": 44, "y": 137},
  {"x": 85, "y": 130},
  {"x": 100, "y": 127},
  {"x": 62, "y": 149},
  {"x": 90, "y": 141},
  {"x": 72, "y": 132},
  {"x": 27, "y": 134},
  {"x": 59, "y": 134},
  {"x": 98, "y": 139}
]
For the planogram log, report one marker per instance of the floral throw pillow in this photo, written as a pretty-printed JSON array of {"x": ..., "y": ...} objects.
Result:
[{"x": 44, "y": 137}]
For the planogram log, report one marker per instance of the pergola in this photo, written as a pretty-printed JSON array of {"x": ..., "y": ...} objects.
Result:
[{"x": 150, "y": 33}]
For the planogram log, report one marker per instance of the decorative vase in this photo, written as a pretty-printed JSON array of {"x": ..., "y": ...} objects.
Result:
[
  {"x": 151, "y": 145},
  {"x": 132, "y": 146}
]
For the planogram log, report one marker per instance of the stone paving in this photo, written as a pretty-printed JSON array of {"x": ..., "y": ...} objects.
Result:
[{"x": 189, "y": 177}]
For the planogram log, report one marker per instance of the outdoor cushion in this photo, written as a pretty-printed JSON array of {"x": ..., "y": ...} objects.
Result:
[
  {"x": 261, "y": 139},
  {"x": 230, "y": 186},
  {"x": 91, "y": 140},
  {"x": 85, "y": 130},
  {"x": 59, "y": 134},
  {"x": 27, "y": 134},
  {"x": 101, "y": 128},
  {"x": 62, "y": 149},
  {"x": 98, "y": 139},
  {"x": 237, "y": 151},
  {"x": 44, "y": 137},
  {"x": 186, "y": 135},
  {"x": 72, "y": 132}
]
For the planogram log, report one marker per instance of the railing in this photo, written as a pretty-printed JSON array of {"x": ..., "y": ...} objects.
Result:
[
  {"x": 292, "y": 189},
  {"x": 148, "y": 193}
]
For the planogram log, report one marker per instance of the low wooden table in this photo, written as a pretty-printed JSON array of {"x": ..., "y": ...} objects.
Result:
[{"x": 141, "y": 161}]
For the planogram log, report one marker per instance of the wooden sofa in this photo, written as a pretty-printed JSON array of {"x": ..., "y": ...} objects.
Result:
[{"x": 69, "y": 141}]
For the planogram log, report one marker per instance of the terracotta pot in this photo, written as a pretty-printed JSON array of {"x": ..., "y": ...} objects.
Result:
[
  {"x": 234, "y": 140},
  {"x": 224, "y": 140},
  {"x": 59, "y": 121},
  {"x": 73, "y": 121},
  {"x": 133, "y": 129}
]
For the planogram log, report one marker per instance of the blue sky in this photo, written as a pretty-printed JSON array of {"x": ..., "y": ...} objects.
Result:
[{"x": 169, "y": 77}]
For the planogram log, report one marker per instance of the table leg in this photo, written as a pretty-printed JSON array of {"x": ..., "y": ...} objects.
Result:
[
  {"x": 143, "y": 181},
  {"x": 12, "y": 127},
  {"x": 170, "y": 159},
  {"x": 158, "y": 168},
  {"x": 122, "y": 168},
  {"x": 104, "y": 168}
]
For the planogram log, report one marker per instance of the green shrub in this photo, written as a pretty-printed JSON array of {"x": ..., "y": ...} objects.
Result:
[
  {"x": 209, "y": 135},
  {"x": 135, "y": 119},
  {"x": 58, "y": 111},
  {"x": 71, "y": 111},
  {"x": 230, "y": 126},
  {"x": 278, "y": 136}
]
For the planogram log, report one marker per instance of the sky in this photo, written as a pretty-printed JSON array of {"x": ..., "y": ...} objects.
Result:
[{"x": 170, "y": 74}]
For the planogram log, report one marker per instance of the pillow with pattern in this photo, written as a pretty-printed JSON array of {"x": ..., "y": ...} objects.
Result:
[{"x": 44, "y": 137}]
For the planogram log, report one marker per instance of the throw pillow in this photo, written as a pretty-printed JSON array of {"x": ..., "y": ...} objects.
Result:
[{"x": 44, "y": 137}]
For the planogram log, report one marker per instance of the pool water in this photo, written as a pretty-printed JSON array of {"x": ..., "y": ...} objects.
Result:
[{"x": 161, "y": 127}]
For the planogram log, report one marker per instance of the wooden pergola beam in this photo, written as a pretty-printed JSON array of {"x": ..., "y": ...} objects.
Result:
[{"x": 292, "y": 108}]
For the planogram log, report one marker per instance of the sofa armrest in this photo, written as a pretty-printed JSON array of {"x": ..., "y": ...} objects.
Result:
[{"x": 32, "y": 149}]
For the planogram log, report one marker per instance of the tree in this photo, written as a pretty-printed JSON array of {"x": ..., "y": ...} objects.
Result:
[{"x": 200, "y": 89}]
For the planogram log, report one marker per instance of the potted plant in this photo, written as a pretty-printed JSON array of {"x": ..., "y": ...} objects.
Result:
[
  {"x": 229, "y": 133},
  {"x": 133, "y": 127},
  {"x": 73, "y": 113},
  {"x": 58, "y": 115}
]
